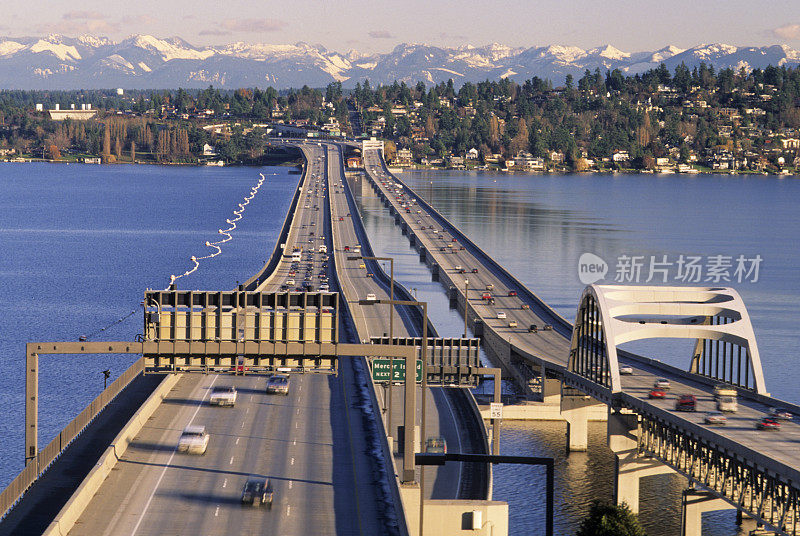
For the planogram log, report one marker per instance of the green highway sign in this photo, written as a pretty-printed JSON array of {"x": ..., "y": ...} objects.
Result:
[{"x": 380, "y": 370}]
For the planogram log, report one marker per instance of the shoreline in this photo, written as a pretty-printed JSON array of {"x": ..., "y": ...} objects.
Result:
[{"x": 510, "y": 173}]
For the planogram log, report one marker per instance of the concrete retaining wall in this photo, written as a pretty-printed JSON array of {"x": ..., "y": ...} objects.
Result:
[{"x": 69, "y": 514}]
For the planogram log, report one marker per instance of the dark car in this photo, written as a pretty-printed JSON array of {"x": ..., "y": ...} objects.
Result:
[
  {"x": 474, "y": 270},
  {"x": 257, "y": 491},
  {"x": 768, "y": 423},
  {"x": 512, "y": 293},
  {"x": 686, "y": 403}
]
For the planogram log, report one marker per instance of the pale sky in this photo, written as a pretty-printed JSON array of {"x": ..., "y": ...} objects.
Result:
[{"x": 379, "y": 25}]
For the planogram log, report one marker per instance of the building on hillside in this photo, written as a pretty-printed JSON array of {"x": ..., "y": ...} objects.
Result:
[
  {"x": 621, "y": 156},
  {"x": 209, "y": 150},
  {"x": 472, "y": 154},
  {"x": 86, "y": 112}
]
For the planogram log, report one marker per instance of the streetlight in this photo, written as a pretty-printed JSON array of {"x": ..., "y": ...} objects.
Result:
[
  {"x": 410, "y": 396},
  {"x": 388, "y": 400},
  {"x": 106, "y": 375},
  {"x": 466, "y": 305}
]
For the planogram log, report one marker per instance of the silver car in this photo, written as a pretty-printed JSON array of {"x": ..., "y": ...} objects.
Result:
[{"x": 278, "y": 384}]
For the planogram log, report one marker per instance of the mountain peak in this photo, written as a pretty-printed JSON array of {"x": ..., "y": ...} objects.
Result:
[
  {"x": 610, "y": 52},
  {"x": 147, "y": 61}
]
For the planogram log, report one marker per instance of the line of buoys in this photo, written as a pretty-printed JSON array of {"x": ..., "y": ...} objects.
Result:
[
  {"x": 112, "y": 324},
  {"x": 225, "y": 232}
]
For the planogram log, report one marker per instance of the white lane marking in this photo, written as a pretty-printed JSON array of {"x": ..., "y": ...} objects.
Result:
[
  {"x": 166, "y": 466},
  {"x": 246, "y": 411},
  {"x": 298, "y": 411},
  {"x": 292, "y": 461},
  {"x": 294, "y": 442},
  {"x": 288, "y": 510},
  {"x": 216, "y": 512},
  {"x": 296, "y": 425},
  {"x": 231, "y": 462},
  {"x": 290, "y": 484},
  {"x": 225, "y": 483},
  {"x": 237, "y": 440},
  {"x": 242, "y": 424}
]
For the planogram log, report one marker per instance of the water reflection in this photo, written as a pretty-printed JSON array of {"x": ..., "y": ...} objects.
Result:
[{"x": 537, "y": 242}]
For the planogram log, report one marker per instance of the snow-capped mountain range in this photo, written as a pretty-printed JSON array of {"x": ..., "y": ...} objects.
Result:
[{"x": 147, "y": 62}]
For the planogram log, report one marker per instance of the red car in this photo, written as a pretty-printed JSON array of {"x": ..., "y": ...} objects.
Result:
[
  {"x": 512, "y": 292},
  {"x": 657, "y": 393},
  {"x": 486, "y": 296},
  {"x": 768, "y": 423},
  {"x": 341, "y": 218}
]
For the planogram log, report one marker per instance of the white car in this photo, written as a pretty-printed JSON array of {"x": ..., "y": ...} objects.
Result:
[
  {"x": 661, "y": 383},
  {"x": 626, "y": 369},
  {"x": 371, "y": 297},
  {"x": 290, "y": 282},
  {"x": 194, "y": 440},
  {"x": 223, "y": 396},
  {"x": 459, "y": 267},
  {"x": 512, "y": 324},
  {"x": 501, "y": 314}
]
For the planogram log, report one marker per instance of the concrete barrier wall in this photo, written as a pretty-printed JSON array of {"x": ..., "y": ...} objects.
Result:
[
  {"x": 544, "y": 311},
  {"x": 69, "y": 514},
  {"x": 277, "y": 252}
]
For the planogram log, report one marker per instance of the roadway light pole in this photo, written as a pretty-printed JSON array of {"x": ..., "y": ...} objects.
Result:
[
  {"x": 388, "y": 400},
  {"x": 410, "y": 388},
  {"x": 466, "y": 305}
]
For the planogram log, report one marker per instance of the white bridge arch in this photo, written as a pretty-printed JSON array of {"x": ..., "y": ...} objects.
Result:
[{"x": 610, "y": 315}]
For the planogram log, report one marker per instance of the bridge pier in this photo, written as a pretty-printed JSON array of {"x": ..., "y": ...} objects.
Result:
[
  {"x": 575, "y": 410},
  {"x": 623, "y": 440},
  {"x": 694, "y": 503}
]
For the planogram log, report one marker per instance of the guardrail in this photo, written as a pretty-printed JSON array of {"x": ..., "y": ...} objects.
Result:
[
  {"x": 548, "y": 314},
  {"x": 277, "y": 252},
  {"x": 379, "y": 274},
  {"x": 560, "y": 324},
  {"x": 485, "y": 484},
  {"x": 49, "y": 454}
]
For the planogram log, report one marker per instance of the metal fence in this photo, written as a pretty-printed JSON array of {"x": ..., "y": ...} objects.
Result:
[{"x": 46, "y": 456}]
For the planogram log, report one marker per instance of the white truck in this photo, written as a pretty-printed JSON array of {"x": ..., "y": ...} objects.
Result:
[
  {"x": 223, "y": 396},
  {"x": 323, "y": 248},
  {"x": 725, "y": 397}
]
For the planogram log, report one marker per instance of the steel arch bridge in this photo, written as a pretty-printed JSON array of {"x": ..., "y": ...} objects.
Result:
[{"x": 715, "y": 317}]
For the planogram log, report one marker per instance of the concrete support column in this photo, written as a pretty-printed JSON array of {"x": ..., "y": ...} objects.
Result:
[
  {"x": 575, "y": 410},
  {"x": 551, "y": 391},
  {"x": 695, "y": 502},
  {"x": 623, "y": 439}
]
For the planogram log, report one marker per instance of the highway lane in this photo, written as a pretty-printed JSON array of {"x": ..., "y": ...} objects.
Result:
[
  {"x": 782, "y": 445},
  {"x": 307, "y": 443},
  {"x": 374, "y": 321}
]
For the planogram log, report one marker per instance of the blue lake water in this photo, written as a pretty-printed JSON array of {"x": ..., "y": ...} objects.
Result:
[
  {"x": 81, "y": 243},
  {"x": 538, "y": 226}
]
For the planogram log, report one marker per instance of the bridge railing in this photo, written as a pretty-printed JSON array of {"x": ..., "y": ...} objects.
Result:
[
  {"x": 49, "y": 454},
  {"x": 277, "y": 252},
  {"x": 560, "y": 324}
]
